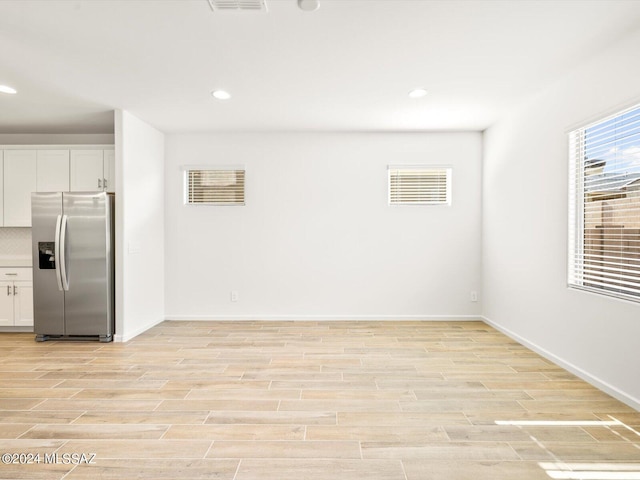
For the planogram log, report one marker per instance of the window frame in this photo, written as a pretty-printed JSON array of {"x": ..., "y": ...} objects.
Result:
[
  {"x": 579, "y": 275},
  {"x": 448, "y": 171},
  {"x": 187, "y": 169}
]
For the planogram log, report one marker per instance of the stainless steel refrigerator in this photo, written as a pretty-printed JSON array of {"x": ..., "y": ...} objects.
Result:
[{"x": 73, "y": 265}]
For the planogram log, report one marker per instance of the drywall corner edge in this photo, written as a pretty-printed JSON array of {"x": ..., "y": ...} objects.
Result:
[
  {"x": 120, "y": 338},
  {"x": 119, "y": 225}
]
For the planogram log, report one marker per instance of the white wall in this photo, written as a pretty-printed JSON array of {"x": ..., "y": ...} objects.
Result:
[
  {"x": 139, "y": 226},
  {"x": 525, "y": 228},
  {"x": 317, "y": 238}
]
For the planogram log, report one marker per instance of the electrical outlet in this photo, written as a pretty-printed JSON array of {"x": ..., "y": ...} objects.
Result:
[
  {"x": 474, "y": 296},
  {"x": 234, "y": 295}
]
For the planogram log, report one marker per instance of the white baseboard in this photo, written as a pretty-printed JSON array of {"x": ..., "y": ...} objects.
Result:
[
  {"x": 584, "y": 375},
  {"x": 129, "y": 335},
  {"x": 323, "y": 318}
]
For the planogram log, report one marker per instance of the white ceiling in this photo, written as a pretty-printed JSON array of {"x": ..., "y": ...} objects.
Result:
[{"x": 347, "y": 66}]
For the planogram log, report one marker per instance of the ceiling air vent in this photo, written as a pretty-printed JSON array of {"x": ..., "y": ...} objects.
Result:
[{"x": 238, "y": 5}]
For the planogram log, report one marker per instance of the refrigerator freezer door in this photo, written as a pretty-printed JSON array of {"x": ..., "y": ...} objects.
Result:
[
  {"x": 62, "y": 256},
  {"x": 87, "y": 256},
  {"x": 48, "y": 315},
  {"x": 56, "y": 250}
]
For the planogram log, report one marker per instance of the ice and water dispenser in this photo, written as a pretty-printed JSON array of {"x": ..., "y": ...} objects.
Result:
[{"x": 46, "y": 257}]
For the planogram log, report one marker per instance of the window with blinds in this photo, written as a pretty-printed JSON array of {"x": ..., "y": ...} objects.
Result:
[
  {"x": 214, "y": 187},
  {"x": 604, "y": 206},
  {"x": 419, "y": 185}
]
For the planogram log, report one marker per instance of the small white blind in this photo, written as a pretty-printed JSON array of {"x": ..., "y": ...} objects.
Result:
[
  {"x": 238, "y": 5},
  {"x": 214, "y": 187},
  {"x": 419, "y": 185},
  {"x": 604, "y": 206}
]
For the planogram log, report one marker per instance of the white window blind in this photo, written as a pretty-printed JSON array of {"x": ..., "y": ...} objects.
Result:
[
  {"x": 214, "y": 187},
  {"x": 604, "y": 206},
  {"x": 416, "y": 185}
]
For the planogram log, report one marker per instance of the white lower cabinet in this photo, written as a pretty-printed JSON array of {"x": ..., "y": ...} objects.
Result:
[{"x": 16, "y": 297}]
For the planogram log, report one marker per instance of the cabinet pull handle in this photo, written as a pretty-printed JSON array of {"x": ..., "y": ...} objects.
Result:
[
  {"x": 15, "y": 290},
  {"x": 104, "y": 183},
  {"x": 99, "y": 183},
  {"x": 8, "y": 290},
  {"x": 11, "y": 274}
]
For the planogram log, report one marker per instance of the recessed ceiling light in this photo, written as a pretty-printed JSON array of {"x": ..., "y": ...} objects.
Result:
[
  {"x": 221, "y": 94},
  {"x": 418, "y": 93},
  {"x": 308, "y": 5},
  {"x": 9, "y": 90}
]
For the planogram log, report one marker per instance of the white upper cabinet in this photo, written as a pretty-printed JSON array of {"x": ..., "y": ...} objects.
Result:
[
  {"x": 51, "y": 168},
  {"x": 53, "y": 171},
  {"x": 87, "y": 167},
  {"x": 1, "y": 188},
  {"x": 109, "y": 171},
  {"x": 92, "y": 170},
  {"x": 19, "y": 181}
]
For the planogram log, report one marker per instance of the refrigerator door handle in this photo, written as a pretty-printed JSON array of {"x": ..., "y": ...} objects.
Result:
[
  {"x": 57, "y": 252},
  {"x": 62, "y": 258}
]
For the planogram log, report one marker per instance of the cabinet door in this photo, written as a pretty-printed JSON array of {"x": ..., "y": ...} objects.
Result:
[
  {"x": 86, "y": 170},
  {"x": 23, "y": 304},
  {"x": 6, "y": 304},
  {"x": 1, "y": 188},
  {"x": 110, "y": 170},
  {"x": 53, "y": 171},
  {"x": 19, "y": 182}
]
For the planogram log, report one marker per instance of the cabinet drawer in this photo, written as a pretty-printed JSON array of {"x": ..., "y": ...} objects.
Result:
[{"x": 16, "y": 274}]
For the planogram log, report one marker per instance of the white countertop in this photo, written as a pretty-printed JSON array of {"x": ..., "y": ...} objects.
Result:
[{"x": 15, "y": 261}]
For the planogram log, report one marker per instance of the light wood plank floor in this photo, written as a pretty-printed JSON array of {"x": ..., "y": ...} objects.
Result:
[{"x": 307, "y": 400}]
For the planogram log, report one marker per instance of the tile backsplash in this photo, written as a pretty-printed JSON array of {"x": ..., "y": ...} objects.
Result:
[{"x": 15, "y": 242}]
